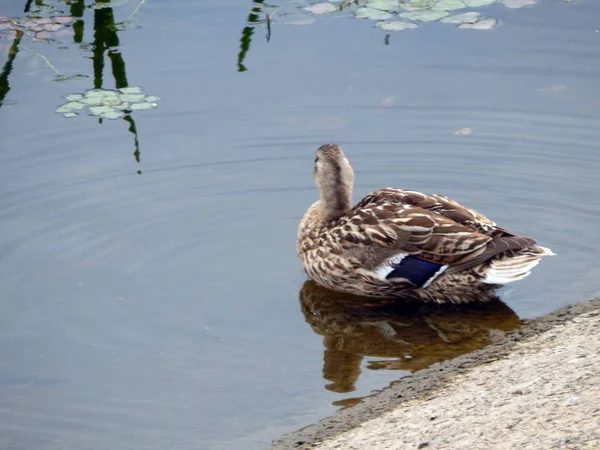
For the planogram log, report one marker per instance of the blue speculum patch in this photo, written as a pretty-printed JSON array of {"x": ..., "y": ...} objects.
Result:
[{"x": 415, "y": 270}]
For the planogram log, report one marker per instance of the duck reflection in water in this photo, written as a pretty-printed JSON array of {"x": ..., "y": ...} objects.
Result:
[{"x": 413, "y": 335}]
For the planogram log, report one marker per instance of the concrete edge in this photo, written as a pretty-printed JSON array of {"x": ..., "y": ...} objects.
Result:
[{"x": 424, "y": 381}]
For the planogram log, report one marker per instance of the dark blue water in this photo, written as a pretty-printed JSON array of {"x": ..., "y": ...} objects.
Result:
[{"x": 161, "y": 310}]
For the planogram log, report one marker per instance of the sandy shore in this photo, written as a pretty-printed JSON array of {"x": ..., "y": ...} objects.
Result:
[{"x": 537, "y": 389}]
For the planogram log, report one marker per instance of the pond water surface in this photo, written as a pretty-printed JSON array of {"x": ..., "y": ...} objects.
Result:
[{"x": 151, "y": 297}]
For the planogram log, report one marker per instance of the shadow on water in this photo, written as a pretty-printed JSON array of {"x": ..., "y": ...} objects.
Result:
[
  {"x": 105, "y": 45},
  {"x": 410, "y": 336}
]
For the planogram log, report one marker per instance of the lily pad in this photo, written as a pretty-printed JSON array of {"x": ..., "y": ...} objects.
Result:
[
  {"x": 112, "y": 114},
  {"x": 123, "y": 106},
  {"x": 70, "y": 106},
  {"x": 70, "y": 114},
  {"x": 425, "y": 16},
  {"x": 131, "y": 90},
  {"x": 384, "y": 5},
  {"x": 132, "y": 97},
  {"x": 63, "y": 19},
  {"x": 397, "y": 25},
  {"x": 142, "y": 106},
  {"x": 321, "y": 8},
  {"x": 95, "y": 93},
  {"x": 100, "y": 110},
  {"x": 372, "y": 13},
  {"x": 478, "y": 3},
  {"x": 449, "y": 5},
  {"x": 52, "y": 27},
  {"x": 151, "y": 98},
  {"x": 415, "y": 5},
  {"x": 92, "y": 101},
  {"x": 74, "y": 97},
  {"x": 469, "y": 17},
  {"x": 486, "y": 24},
  {"x": 513, "y": 4}
]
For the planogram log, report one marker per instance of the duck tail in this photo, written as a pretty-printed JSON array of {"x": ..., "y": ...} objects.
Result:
[{"x": 514, "y": 265}]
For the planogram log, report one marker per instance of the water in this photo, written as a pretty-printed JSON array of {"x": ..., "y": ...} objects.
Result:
[{"x": 163, "y": 309}]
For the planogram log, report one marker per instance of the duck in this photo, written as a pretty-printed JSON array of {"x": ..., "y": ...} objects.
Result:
[{"x": 402, "y": 243}]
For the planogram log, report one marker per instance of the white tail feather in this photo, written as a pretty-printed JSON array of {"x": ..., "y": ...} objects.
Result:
[{"x": 514, "y": 267}]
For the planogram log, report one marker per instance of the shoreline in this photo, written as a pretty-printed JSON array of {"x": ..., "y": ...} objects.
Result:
[{"x": 377, "y": 420}]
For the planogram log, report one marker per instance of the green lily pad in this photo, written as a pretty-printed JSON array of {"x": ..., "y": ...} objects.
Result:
[
  {"x": 469, "y": 17},
  {"x": 384, "y": 5},
  {"x": 142, "y": 106},
  {"x": 95, "y": 93},
  {"x": 111, "y": 94},
  {"x": 123, "y": 106},
  {"x": 132, "y": 97},
  {"x": 397, "y": 25},
  {"x": 70, "y": 106},
  {"x": 321, "y": 8},
  {"x": 70, "y": 114},
  {"x": 425, "y": 16},
  {"x": 478, "y": 3},
  {"x": 151, "y": 98},
  {"x": 486, "y": 24},
  {"x": 92, "y": 101},
  {"x": 372, "y": 13},
  {"x": 449, "y": 5},
  {"x": 131, "y": 90},
  {"x": 112, "y": 114},
  {"x": 513, "y": 4},
  {"x": 74, "y": 97},
  {"x": 100, "y": 110},
  {"x": 415, "y": 5}
]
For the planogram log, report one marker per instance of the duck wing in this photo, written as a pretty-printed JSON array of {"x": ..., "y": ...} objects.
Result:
[{"x": 406, "y": 234}]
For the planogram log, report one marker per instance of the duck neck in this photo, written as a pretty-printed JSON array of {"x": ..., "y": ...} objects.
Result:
[{"x": 336, "y": 202}]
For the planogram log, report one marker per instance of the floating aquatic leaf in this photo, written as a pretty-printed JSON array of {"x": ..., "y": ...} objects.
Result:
[
  {"x": 449, "y": 5},
  {"x": 486, "y": 24},
  {"x": 151, "y": 98},
  {"x": 112, "y": 94},
  {"x": 112, "y": 114},
  {"x": 321, "y": 8},
  {"x": 413, "y": 5},
  {"x": 384, "y": 5},
  {"x": 42, "y": 20},
  {"x": 43, "y": 35},
  {"x": 109, "y": 100},
  {"x": 142, "y": 106},
  {"x": 92, "y": 101},
  {"x": 70, "y": 114},
  {"x": 470, "y": 17},
  {"x": 123, "y": 106},
  {"x": 477, "y": 3},
  {"x": 98, "y": 110},
  {"x": 6, "y": 26},
  {"x": 513, "y": 4},
  {"x": 372, "y": 13},
  {"x": 52, "y": 26},
  {"x": 74, "y": 97},
  {"x": 397, "y": 25},
  {"x": 74, "y": 105},
  {"x": 95, "y": 93},
  {"x": 63, "y": 19},
  {"x": 425, "y": 16},
  {"x": 131, "y": 90},
  {"x": 132, "y": 97}
]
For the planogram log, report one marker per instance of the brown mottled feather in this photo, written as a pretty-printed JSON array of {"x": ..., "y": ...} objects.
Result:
[{"x": 342, "y": 247}]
